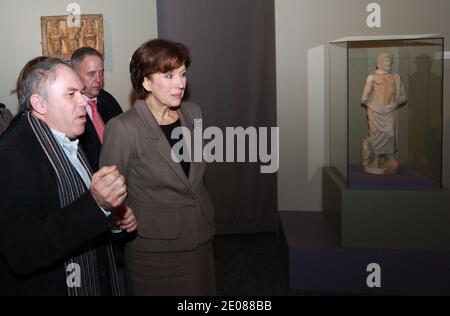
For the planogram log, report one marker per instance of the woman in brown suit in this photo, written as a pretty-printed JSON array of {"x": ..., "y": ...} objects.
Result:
[{"x": 172, "y": 253}]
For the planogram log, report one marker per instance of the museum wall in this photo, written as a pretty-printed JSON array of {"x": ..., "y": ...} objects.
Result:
[
  {"x": 303, "y": 29},
  {"x": 126, "y": 26}
]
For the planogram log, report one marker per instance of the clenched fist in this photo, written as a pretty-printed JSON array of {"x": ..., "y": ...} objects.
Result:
[{"x": 108, "y": 187}]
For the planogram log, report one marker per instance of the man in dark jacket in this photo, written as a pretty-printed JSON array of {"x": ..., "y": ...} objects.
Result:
[
  {"x": 54, "y": 214},
  {"x": 101, "y": 106}
]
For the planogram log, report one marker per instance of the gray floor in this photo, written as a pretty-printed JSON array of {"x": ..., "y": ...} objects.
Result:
[{"x": 252, "y": 265}]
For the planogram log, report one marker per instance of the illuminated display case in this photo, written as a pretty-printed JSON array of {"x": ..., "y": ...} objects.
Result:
[
  {"x": 418, "y": 60},
  {"x": 406, "y": 207}
]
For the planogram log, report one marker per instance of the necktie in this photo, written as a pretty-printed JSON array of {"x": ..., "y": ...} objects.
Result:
[{"x": 96, "y": 120}]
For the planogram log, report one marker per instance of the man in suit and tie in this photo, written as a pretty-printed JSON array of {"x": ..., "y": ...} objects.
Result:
[{"x": 102, "y": 106}]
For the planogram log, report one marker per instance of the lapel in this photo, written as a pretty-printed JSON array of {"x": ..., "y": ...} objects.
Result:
[
  {"x": 91, "y": 132},
  {"x": 162, "y": 145},
  {"x": 103, "y": 108},
  {"x": 188, "y": 122}
]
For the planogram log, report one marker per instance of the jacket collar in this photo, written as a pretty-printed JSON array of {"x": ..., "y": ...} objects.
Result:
[{"x": 162, "y": 145}]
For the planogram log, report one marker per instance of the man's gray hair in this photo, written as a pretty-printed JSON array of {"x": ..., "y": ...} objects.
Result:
[{"x": 35, "y": 78}]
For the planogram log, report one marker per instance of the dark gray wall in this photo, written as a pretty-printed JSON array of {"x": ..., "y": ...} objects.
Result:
[{"x": 232, "y": 78}]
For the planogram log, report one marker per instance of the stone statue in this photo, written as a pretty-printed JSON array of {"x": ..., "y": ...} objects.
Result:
[{"x": 383, "y": 93}]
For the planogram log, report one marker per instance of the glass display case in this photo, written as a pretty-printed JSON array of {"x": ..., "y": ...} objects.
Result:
[{"x": 386, "y": 124}]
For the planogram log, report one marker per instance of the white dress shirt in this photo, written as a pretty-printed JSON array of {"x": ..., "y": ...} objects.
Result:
[{"x": 71, "y": 150}]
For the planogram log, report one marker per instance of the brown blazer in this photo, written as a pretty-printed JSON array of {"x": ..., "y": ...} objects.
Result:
[{"x": 174, "y": 213}]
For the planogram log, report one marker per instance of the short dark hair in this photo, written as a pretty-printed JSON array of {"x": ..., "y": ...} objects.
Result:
[
  {"x": 78, "y": 55},
  {"x": 156, "y": 56},
  {"x": 35, "y": 78}
]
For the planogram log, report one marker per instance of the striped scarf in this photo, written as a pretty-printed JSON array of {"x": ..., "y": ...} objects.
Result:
[{"x": 70, "y": 188}]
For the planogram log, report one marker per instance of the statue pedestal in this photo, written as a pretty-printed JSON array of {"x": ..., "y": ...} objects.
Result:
[
  {"x": 386, "y": 218},
  {"x": 317, "y": 262},
  {"x": 380, "y": 168},
  {"x": 375, "y": 171}
]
